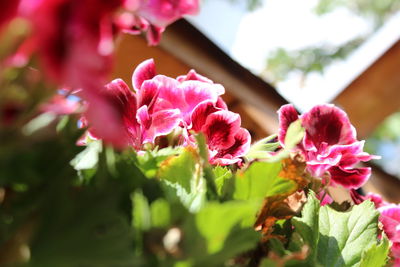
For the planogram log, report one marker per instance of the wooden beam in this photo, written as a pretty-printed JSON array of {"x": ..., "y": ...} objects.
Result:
[{"x": 375, "y": 94}]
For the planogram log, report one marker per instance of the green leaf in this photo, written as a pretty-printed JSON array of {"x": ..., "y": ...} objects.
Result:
[
  {"x": 216, "y": 220},
  {"x": 140, "y": 211},
  {"x": 160, "y": 213},
  {"x": 337, "y": 238},
  {"x": 150, "y": 161},
  {"x": 184, "y": 174},
  {"x": 261, "y": 180},
  {"x": 307, "y": 226},
  {"x": 376, "y": 255},
  {"x": 262, "y": 148},
  {"x": 86, "y": 161},
  {"x": 221, "y": 174},
  {"x": 39, "y": 122},
  {"x": 294, "y": 135},
  {"x": 345, "y": 235}
]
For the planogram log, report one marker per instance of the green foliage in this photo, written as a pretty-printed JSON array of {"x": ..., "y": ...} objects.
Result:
[
  {"x": 261, "y": 180},
  {"x": 86, "y": 161},
  {"x": 183, "y": 173},
  {"x": 339, "y": 238},
  {"x": 216, "y": 220}
]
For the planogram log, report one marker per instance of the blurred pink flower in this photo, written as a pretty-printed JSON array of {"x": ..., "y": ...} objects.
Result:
[
  {"x": 142, "y": 123},
  {"x": 390, "y": 219},
  {"x": 8, "y": 10},
  {"x": 152, "y": 16},
  {"x": 329, "y": 144},
  {"x": 60, "y": 105}
]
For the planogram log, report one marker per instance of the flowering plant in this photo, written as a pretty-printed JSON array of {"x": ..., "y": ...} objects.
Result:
[{"x": 160, "y": 172}]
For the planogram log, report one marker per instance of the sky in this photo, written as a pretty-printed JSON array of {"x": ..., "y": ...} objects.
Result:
[{"x": 249, "y": 37}]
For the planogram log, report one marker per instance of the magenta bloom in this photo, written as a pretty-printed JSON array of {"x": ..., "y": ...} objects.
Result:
[
  {"x": 329, "y": 144},
  {"x": 142, "y": 122},
  {"x": 201, "y": 110},
  {"x": 390, "y": 219},
  {"x": 375, "y": 198},
  {"x": 227, "y": 141}
]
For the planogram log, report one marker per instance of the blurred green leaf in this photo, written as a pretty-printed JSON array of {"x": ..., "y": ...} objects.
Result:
[
  {"x": 87, "y": 160},
  {"x": 160, "y": 213},
  {"x": 216, "y": 220},
  {"x": 221, "y": 174},
  {"x": 141, "y": 216},
  {"x": 150, "y": 161},
  {"x": 41, "y": 121}
]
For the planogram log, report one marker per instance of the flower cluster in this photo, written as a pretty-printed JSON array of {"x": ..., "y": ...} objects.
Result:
[
  {"x": 159, "y": 104},
  {"x": 329, "y": 144}
]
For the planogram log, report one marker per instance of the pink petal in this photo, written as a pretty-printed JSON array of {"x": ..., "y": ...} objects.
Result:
[
  {"x": 349, "y": 178},
  {"x": 193, "y": 76},
  {"x": 153, "y": 34},
  {"x": 390, "y": 218},
  {"x": 164, "y": 12},
  {"x": 196, "y": 92},
  {"x": 144, "y": 71},
  {"x": 327, "y": 125},
  {"x": 221, "y": 103},
  {"x": 162, "y": 123},
  {"x": 233, "y": 153},
  {"x": 324, "y": 197},
  {"x": 143, "y": 117},
  {"x": 220, "y": 129},
  {"x": 200, "y": 114},
  {"x": 148, "y": 93},
  {"x": 287, "y": 114}
]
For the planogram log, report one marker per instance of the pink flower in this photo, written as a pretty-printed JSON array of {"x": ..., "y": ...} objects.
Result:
[
  {"x": 375, "y": 198},
  {"x": 227, "y": 141},
  {"x": 152, "y": 16},
  {"x": 8, "y": 10},
  {"x": 60, "y": 105},
  {"x": 390, "y": 219},
  {"x": 329, "y": 144},
  {"x": 201, "y": 110},
  {"x": 184, "y": 94},
  {"x": 142, "y": 122}
]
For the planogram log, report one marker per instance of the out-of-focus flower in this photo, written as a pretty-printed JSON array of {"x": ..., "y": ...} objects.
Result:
[
  {"x": 390, "y": 219},
  {"x": 329, "y": 144},
  {"x": 8, "y": 10},
  {"x": 60, "y": 105},
  {"x": 142, "y": 122},
  {"x": 74, "y": 43},
  {"x": 152, "y": 16}
]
